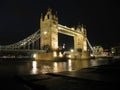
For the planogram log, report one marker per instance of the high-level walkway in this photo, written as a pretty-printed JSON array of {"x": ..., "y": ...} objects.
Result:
[{"x": 94, "y": 78}]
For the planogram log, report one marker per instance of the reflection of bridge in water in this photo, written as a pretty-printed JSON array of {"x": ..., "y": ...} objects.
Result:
[{"x": 47, "y": 37}]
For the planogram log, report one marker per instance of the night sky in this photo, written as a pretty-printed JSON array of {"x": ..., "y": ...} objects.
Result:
[{"x": 20, "y": 18}]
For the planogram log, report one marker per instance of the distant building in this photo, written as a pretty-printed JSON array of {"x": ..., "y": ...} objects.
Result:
[
  {"x": 100, "y": 51},
  {"x": 115, "y": 50}
]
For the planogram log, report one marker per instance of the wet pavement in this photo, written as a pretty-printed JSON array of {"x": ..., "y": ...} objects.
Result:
[{"x": 66, "y": 83}]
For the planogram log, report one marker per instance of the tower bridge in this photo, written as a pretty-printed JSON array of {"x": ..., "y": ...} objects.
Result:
[
  {"x": 50, "y": 28},
  {"x": 69, "y": 31},
  {"x": 47, "y": 35},
  {"x": 79, "y": 36}
]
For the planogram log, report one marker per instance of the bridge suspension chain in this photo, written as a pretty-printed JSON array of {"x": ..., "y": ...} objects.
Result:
[
  {"x": 90, "y": 45},
  {"x": 23, "y": 43}
]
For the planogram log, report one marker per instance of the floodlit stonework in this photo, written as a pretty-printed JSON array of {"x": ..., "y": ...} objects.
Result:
[{"x": 49, "y": 29}]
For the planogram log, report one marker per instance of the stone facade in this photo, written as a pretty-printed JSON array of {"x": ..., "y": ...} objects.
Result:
[
  {"x": 80, "y": 40},
  {"x": 49, "y": 31},
  {"x": 49, "y": 34}
]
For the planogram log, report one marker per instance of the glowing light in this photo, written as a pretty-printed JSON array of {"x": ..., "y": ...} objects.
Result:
[
  {"x": 69, "y": 56},
  {"x": 54, "y": 54},
  {"x": 60, "y": 54},
  {"x": 45, "y": 32},
  {"x": 23, "y": 43},
  {"x": 64, "y": 46},
  {"x": 72, "y": 50},
  {"x": 34, "y": 55},
  {"x": 91, "y": 55},
  {"x": 69, "y": 65},
  {"x": 55, "y": 67},
  {"x": 59, "y": 27},
  {"x": 34, "y": 67},
  {"x": 34, "y": 64},
  {"x": 72, "y": 29}
]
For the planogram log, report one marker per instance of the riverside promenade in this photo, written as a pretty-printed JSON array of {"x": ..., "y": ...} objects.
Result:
[{"x": 93, "y": 78}]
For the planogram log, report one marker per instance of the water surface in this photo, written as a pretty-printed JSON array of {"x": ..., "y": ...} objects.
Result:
[{"x": 26, "y": 67}]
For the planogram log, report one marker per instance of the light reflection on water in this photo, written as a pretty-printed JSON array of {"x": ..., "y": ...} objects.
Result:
[
  {"x": 69, "y": 65},
  {"x": 55, "y": 67},
  {"x": 36, "y": 67}
]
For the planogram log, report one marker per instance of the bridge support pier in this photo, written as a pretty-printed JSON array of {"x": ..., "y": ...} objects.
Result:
[{"x": 85, "y": 55}]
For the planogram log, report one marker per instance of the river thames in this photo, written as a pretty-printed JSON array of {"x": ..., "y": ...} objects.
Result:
[{"x": 27, "y": 67}]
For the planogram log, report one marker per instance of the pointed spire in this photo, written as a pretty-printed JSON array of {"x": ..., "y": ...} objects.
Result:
[
  {"x": 41, "y": 17},
  {"x": 82, "y": 26},
  {"x": 49, "y": 10},
  {"x": 56, "y": 13}
]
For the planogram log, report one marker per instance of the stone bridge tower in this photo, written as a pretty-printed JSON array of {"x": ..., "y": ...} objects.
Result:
[
  {"x": 49, "y": 31},
  {"x": 80, "y": 39}
]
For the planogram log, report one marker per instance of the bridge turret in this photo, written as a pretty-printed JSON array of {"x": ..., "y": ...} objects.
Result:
[
  {"x": 78, "y": 29},
  {"x": 83, "y": 29},
  {"x": 48, "y": 14},
  {"x": 49, "y": 30},
  {"x": 41, "y": 18}
]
